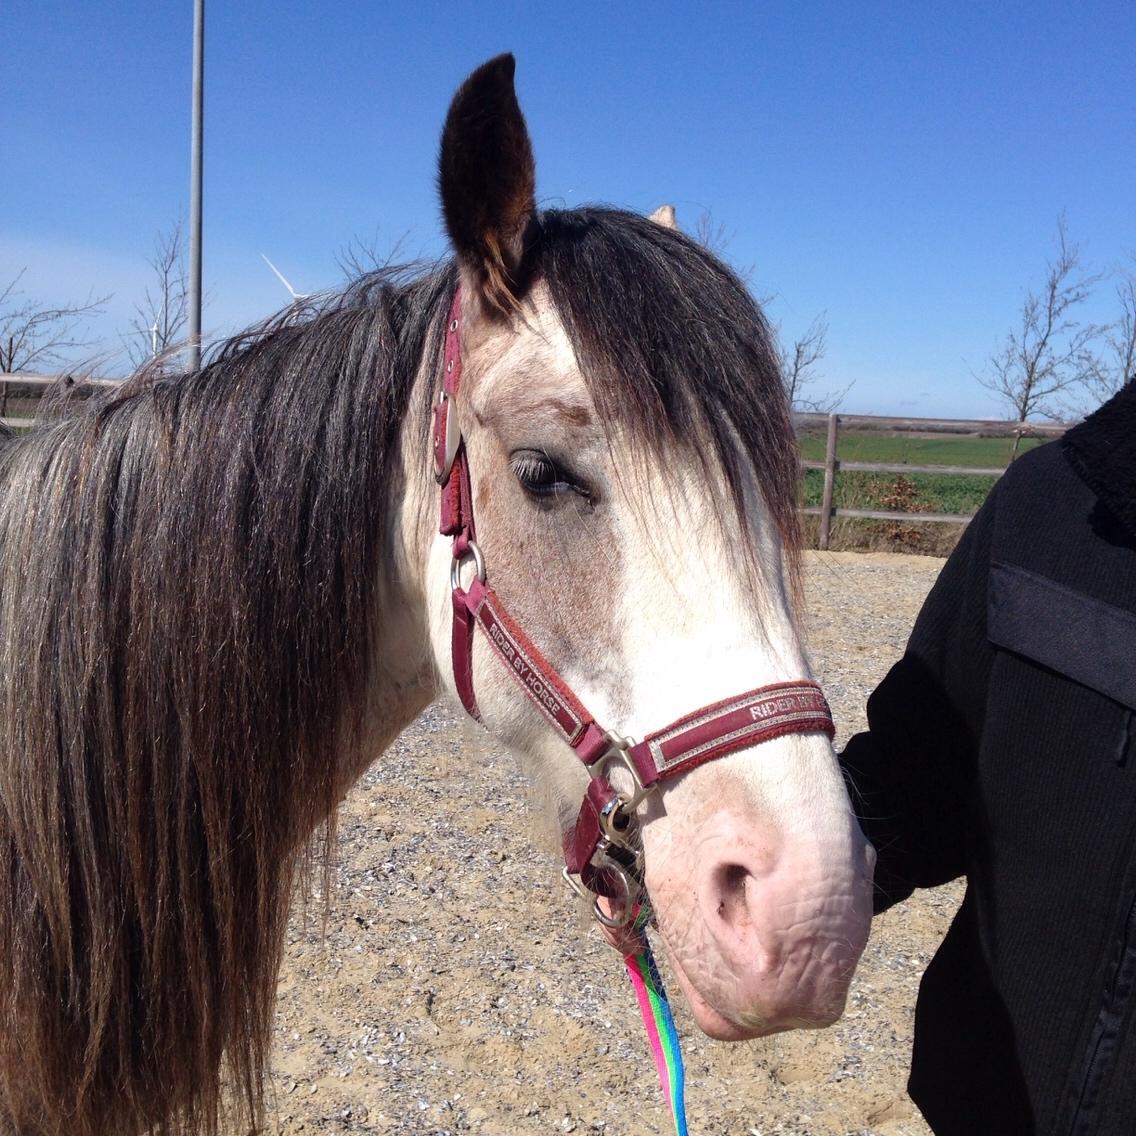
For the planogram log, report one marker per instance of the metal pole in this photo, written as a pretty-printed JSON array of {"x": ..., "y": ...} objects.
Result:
[
  {"x": 829, "y": 483},
  {"x": 195, "y": 185}
]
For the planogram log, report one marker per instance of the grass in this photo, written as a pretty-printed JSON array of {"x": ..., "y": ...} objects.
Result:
[{"x": 903, "y": 493}]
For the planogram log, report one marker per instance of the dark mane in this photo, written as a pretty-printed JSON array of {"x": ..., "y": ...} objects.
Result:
[
  {"x": 674, "y": 348},
  {"x": 189, "y": 574}
]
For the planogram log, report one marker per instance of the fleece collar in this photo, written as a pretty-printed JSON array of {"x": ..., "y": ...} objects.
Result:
[{"x": 1102, "y": 449}]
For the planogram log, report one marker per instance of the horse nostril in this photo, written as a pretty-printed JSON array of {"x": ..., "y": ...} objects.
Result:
[
  {"x": 734, "y": 877},
  {"x": 731, "y": 883}
]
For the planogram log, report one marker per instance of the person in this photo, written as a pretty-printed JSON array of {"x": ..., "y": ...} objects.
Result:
[{"x": 1002, "y": 748}]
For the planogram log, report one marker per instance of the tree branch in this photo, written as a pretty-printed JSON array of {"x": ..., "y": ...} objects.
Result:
[
  {"x": 161, "y": 319},
  {"x": 1051, "y": 351},
  {"x": 34, "y": 337}
]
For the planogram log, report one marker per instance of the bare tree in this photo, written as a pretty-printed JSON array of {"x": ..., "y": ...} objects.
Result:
[
  {"x": 799, "y": 370},
  {"x": 714, "y": 238},
  {"x": 1051, "y": 350},
  {"x": 711, "y": 234},
  {"x": 799, "y": 361},
  {"x": 1116, "y": 364},
  {"x": 162, "y": 318},
  {"x": 34, "y": 336}
]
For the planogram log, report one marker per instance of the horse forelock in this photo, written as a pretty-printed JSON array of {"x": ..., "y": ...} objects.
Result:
[{"x": 675, "y": 350}]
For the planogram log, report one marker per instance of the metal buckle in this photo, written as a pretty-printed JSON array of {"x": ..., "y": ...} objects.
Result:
[
  {"x": 575, "y": 884},
  {"x": 452, "y": 437},
  {"x": 456, "y": 563},
  {"x": 626, "y": 906},
  {"x": 618, "y": 754},
  {"x": 620, "y": 850}
]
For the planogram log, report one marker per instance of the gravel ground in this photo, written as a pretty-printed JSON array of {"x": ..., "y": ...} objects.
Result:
[{"x": 455, "y": 988}]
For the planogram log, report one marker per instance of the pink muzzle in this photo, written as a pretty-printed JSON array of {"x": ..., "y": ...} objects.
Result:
[{"x": 602, "y": 851}]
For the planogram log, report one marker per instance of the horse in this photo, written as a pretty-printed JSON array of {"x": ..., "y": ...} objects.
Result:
[{"x": 223, "y": 593}]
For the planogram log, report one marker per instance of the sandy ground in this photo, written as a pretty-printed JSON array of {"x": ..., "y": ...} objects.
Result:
[{"x": 457, "y": 989}]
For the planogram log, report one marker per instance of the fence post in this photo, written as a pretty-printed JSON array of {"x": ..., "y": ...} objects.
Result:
[{"x": 829, "y": 483}]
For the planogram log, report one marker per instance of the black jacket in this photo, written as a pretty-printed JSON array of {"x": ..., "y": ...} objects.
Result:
[{"x": 1002, "y": 747}]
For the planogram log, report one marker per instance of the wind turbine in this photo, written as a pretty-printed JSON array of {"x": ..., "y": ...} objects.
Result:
[
  {"x": 157, "y": 328},
  {"x": 296, "y": 296}
]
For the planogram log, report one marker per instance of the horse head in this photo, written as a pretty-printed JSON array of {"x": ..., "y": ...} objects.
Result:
[{"x": 628, "y": 456}]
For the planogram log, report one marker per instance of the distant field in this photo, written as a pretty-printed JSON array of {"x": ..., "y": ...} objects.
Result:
[
  {"x": 903, "y": 492},
  {"x": 945, "y": 449}
]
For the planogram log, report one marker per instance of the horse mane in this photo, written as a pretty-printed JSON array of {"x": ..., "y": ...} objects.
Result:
[
  {"x": 189, "y": 574},
  {"x": 190, "y": 595}
]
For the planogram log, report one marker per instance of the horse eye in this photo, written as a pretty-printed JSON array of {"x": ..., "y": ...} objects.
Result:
[
  {"x": 542, "y": 477},
  {"x": 538, "y": 473}
]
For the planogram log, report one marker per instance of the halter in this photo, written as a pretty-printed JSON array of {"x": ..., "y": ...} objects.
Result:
[{"x": 602, "y": 851}]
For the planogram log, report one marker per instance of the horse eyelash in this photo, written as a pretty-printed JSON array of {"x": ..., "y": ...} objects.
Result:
[{"x": 529, "y": 469}]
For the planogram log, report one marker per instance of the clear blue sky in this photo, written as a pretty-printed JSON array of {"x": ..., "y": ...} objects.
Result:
[{"x": 900, "y": 166}]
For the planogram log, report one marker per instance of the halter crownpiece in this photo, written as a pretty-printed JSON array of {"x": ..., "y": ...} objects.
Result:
[{"x": 602, "y": 852}]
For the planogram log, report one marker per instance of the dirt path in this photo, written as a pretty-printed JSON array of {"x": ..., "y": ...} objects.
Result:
[{"x": 457, "y": 990}]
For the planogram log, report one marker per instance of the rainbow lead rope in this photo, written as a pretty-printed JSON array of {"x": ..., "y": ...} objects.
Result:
[{"x": 652, "y": 998}]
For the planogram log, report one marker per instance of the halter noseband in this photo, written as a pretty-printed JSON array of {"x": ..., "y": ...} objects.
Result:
[{"x": 602, "y": 851}]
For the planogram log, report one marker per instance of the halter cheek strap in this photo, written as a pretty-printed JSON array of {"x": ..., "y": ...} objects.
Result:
[{"x": 601, "y": 848}]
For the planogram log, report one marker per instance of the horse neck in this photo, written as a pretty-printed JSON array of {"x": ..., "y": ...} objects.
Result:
[{"x": 405, "y": 675}]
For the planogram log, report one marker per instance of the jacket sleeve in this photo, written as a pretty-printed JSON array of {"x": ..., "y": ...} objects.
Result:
[{"x": 910, "y": 774}]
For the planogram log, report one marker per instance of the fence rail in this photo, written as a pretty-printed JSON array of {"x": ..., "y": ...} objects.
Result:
[
  {"x": 17, "y": 412},
  {"x": 988, "y": 427},
  {"x": 32, "y": 379},
  {"x": 832, "y": 465}
]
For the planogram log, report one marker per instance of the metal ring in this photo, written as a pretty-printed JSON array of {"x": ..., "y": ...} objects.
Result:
[
  {"x": 471, "y": 549},
  {"x": 453, "y": 325},
  {"x": 627, "y": 908},
  {"x": 625, "y": 916},
  {"x": 631, "y": 893},
  {"x": 450, "y": 367},
  {"x": 611, "y": 814}
]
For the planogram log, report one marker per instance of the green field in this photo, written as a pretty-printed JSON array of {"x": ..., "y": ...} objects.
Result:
[
  {"x": 946, "y": 449},
  {"x": 903, "y": 492}
]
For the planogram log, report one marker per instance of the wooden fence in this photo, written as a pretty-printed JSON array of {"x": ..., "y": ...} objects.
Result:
[
  {"x": 18, "y": 411},
  {"x": 832, "y": 465}
]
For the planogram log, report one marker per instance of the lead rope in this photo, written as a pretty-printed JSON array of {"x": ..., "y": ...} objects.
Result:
[{"x": 657, "y": 1021}]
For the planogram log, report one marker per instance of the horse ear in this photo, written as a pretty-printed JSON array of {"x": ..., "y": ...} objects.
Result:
[
  {"x": 486, "y": 176},
  {"x": 665, "y": 216}
]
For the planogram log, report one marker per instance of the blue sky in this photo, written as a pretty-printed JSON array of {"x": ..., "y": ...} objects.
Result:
[{"x": 898, "y": 166}]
